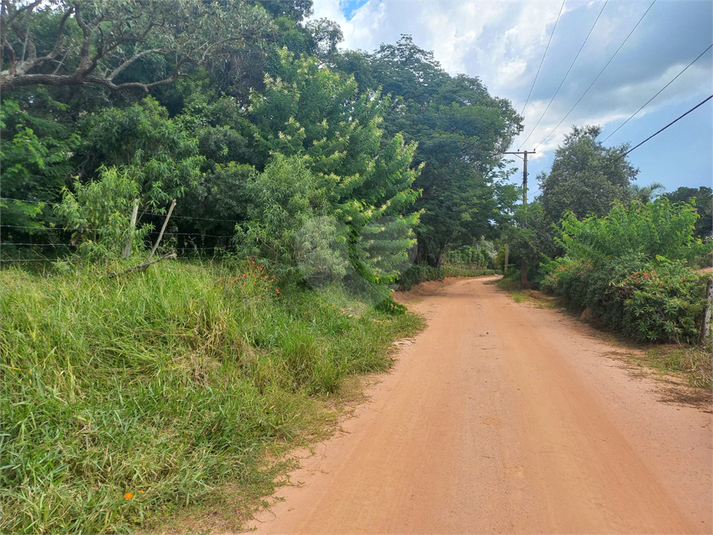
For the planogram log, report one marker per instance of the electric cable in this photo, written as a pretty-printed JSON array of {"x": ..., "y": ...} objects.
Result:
[
  {"x": 669, "y": 124},
  {"x": 658, "y": 93},
  {"x": 598, "y": 75},
  {"x": 566, "y": 74},
  {"x": 543, "y": 57}
]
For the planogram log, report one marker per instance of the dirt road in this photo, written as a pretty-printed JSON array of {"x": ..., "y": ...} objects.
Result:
[{"x": 505, "y": 418}]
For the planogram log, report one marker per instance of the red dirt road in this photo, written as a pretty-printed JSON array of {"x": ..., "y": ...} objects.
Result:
[{"x": 505, "y": 418}]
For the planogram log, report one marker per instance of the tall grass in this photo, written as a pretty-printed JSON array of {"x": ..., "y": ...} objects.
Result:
[{"x": 125, "y": 397}]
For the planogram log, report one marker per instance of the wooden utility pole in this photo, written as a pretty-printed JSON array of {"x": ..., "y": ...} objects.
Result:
[
  {"x": 523, "y": 264},
  {"x": 524, "y": 171}
]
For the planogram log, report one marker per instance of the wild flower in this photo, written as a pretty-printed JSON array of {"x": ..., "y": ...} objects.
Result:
[{"x": 129, "y": 495}]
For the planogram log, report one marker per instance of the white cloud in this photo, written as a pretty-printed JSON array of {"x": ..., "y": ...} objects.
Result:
[{"x": 502, "y": 43}]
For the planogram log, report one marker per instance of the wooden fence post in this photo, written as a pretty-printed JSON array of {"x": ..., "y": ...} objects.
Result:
[
  {"x": 132, "y": 226},
  {"x": 163, "y": 228},
  {"x": 707, "y": 314}
]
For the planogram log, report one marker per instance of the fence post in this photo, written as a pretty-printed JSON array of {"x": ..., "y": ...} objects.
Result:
[
  {"x": 132, "y": 225},
  {"x": 707, "y": 314},
  {"x": 163, "y": 228}
]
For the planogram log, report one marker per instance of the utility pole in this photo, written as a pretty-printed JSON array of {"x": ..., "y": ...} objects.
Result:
[
  {"x": 524, "y": 171},
  {"x": 523, "y": 264}
]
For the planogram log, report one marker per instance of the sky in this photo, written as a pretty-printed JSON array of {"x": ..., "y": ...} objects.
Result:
[{"x": 504, "y": 42}]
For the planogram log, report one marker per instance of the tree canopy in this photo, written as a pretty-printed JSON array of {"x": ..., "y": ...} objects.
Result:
[
  {"x": 461, "y": 131},
  {"x": 120, "y": 44},
  {"x": 586, "y": 177}
]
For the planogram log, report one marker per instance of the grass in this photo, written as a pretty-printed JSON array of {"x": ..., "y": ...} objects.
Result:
[
  {"x": 126, "y": 400},
  {"x": 693, "y": 362}
]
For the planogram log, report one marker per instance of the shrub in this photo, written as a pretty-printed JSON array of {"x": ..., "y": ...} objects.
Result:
[{"x": 654, "y": 301}]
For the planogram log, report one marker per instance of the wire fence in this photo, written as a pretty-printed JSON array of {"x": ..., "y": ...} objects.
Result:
[{"x": 188, "y": 244}]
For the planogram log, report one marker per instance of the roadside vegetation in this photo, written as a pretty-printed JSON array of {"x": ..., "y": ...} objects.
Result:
[
  {"x": 129, "y": 396},
  {"x": 287, "y": 188}
]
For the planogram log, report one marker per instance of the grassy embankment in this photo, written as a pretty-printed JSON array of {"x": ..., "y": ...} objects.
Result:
[{"x": 127, "y": 399}]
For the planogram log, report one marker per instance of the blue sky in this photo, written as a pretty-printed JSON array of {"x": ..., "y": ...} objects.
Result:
[{"x": 503, "y": 42}]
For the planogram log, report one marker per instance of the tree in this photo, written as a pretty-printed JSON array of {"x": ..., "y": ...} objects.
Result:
[
  {"x": 586, "y": 178},
  {"x": 316, "y": 115},
  {"x": 702, "y": 200},
  {"x": 656, "y": 229},
  {"x": 106, "y": 42},
  {"x": 34, "y": 155},
  {"x": 646, "y": 194},
  {"x": 460, "y": 130},
  {"x": 155, "y": 151},
  {"x": 532, "y": 240}
]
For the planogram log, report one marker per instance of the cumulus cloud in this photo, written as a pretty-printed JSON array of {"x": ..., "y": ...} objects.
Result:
[{"x": 503, "y": 43}]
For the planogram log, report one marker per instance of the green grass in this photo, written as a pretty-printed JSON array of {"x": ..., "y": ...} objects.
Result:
[
  {"x": 166, "y": 385},
  {"x": 694, "y": 363}
]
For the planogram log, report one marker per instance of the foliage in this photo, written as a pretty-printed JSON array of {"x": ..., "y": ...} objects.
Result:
[
  {"x": 157, "y": 152},
  {"x": 34, "y": 155},
  {"x": 655, "y": 229},
  {"x": 419, "y": 273},
  {"x": 586, "y": 177},
  {"x": 481, "y": 254},
  {"x": 648, "y": 300},
  {"x": 315, "y": 116},
  {"x": 629, "y": 268},
  {"x": 120, "y": 44},
  {"x": 284, "y": 200},
  {"x": 166, "y": 385},
  {"x": 459, "y": 129},
  {"x": 99, "y": 214},
  {"x": 702, "y": 200},
  {"x": 531, "y": 240}
]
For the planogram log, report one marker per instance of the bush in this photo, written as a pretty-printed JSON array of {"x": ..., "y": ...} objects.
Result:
[
  {"x": 653, "y": 301},
  {"x": 417, "y": 274}
]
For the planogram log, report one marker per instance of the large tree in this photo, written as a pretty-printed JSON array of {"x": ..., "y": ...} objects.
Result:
[
  {"x": 460, "y": 129},
  {"x": 586, "y": 177},
  {"x": 363, "y": 178},
  {"x": 120, "y": 44}
]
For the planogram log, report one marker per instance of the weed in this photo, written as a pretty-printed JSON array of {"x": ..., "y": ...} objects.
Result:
[
  {"x": 694, "y": 363},
  {"x": 131, "y": 397}
]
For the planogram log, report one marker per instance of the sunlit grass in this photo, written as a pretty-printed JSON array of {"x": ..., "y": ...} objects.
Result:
[{"x": 126, "y": 397}]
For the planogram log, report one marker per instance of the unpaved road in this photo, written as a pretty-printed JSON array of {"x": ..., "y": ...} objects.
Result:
[{"x": 505, "y": 418}]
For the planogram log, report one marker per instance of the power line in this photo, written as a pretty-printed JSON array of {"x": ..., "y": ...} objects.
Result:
[
  {"x": 598, "y": 75},
  {"x": 657, "y": 94},
  {"x": 669, "y": 124},
  {"x": 566, "y": 74},
  {"x": 145, "y": 213},
  {"x": 543, "y": 57}
]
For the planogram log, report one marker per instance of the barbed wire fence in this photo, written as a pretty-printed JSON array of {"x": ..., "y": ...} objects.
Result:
[{"x": 39, "y": 243}]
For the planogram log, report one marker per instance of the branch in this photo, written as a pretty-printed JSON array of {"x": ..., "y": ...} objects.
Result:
[
  {"x": 129, "y": 61},
  {"x": 55, "y": 50},
  {"x": 141, "y": 267},
  {"x": 84, "y": 59},
  {"x": 9, "y": 81}
]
